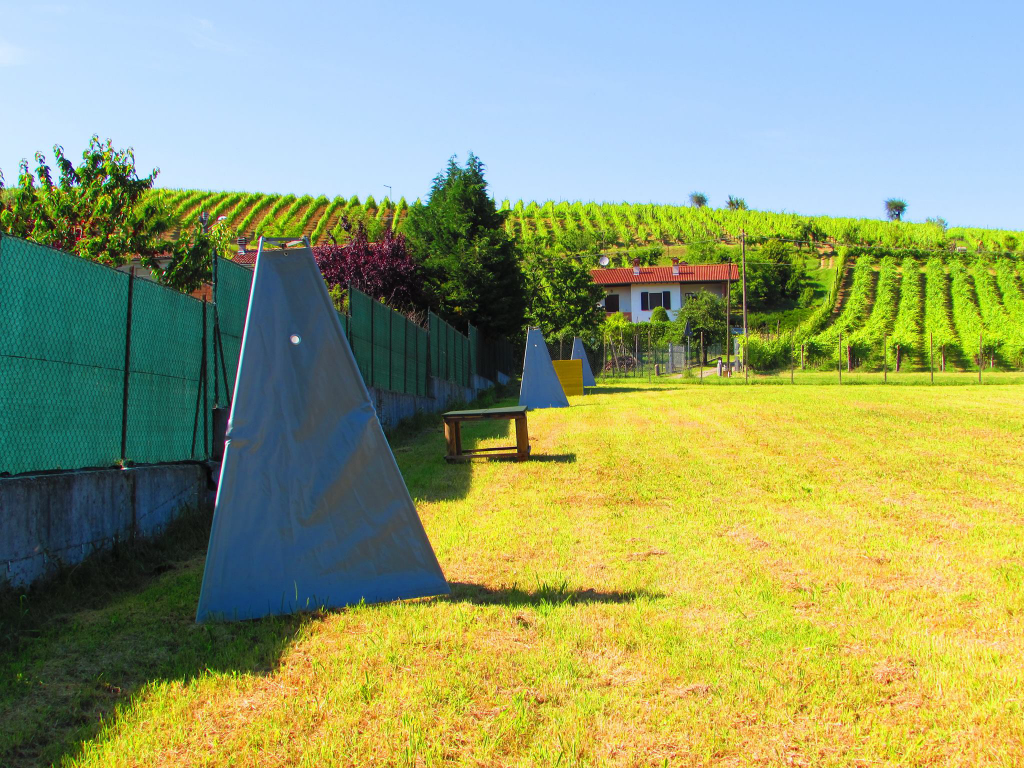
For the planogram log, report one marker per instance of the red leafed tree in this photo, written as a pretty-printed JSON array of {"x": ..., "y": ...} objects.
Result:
[{"x": 382, "y": 269}]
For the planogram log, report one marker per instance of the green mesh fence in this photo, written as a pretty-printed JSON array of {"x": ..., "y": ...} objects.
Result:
[
  {"x": 64, "y": 324},
  {"x": 449, "y": 353},
  {"x": 166, "y": 401},
  {"x": 62, "y": 340},
  {"x": 232, "y": 296},
  {"x": 390, "y": 350}
]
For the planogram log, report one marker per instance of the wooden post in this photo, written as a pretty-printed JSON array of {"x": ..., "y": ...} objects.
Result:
[
  {"x": 792, "y": 367},
  {"x": 801, "y": 357},
  {"x": 849, "y": 358},
  {"x": 885, "y": 360},
  {"x": 839, "y": 357},
  {"x": 746, "y": 332},
  {"x": 981, "y": 356}
]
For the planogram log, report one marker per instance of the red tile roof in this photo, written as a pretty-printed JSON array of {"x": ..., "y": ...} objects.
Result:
[
  {"x": 688, "y": 273},
  {"x": 248, "y": 258}
]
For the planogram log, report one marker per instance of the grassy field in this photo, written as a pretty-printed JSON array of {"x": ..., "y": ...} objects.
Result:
[{"x": 683, "y": 575}]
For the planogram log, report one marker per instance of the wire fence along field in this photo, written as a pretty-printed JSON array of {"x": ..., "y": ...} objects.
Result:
[{"x": 98, "y": 368}]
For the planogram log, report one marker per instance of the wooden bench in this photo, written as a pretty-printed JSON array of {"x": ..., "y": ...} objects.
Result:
[{"x": 453, "y": 421}]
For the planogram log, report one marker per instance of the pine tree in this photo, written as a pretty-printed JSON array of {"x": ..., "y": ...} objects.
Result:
[{"x": 470, "y": 264}]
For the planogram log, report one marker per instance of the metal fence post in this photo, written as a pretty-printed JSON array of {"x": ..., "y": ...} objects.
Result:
[
  {"x": 203, "y": 383},
  {"x": 127, "y": 367},
  {"x": 373, "y": 341},
  {"x": 391, "y": 356}
]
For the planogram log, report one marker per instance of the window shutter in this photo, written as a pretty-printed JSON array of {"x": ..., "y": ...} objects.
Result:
[
  {"x": 667, "y": 299},
  {"x": 644, "y": 301}
]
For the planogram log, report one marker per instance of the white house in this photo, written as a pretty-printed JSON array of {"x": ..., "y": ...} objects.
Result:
[{"x": 636, "y": 290}]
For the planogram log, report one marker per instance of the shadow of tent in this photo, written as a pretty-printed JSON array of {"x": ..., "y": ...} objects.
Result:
[{"x": 477, "y": 594}]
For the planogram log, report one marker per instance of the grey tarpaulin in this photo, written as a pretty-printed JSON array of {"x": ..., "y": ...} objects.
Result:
[
  {"x": 541, "y": 387},
  {"x": 311, "y": 509},
  {"x": 578, "y": 353}
]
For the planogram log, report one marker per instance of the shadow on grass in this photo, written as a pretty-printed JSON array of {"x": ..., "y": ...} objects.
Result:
[
  {"x": 81, "y": 645},
  {"x": 560, "y": 594},
  {"x": 613, "y": 389}
]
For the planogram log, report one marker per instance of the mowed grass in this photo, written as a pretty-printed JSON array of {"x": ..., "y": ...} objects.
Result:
[{"x": 683, "y": 575}]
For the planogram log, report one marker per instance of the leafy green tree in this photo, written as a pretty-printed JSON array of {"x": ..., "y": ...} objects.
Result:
[
  {"x": 470, "y": 264},
  {"x": 564, "y": 298},
  {"x": 705, "y": 312},
  {"x": 895, "y": 208},
  {"x": 775, "y": 277},
  {"x": 99, "y": 210},
  {"x": 190, "y": 263},
  {"x": 736, "y": 203},
  {"x": 698, "y": 199},
  {"x": 659, "y": 315},
  {"x": 707, "y": 252}
]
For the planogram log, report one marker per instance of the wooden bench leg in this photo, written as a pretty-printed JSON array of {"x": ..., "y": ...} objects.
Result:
[
  {"x": 449, "y": 437},
  {"x": 522, "y": 438}
]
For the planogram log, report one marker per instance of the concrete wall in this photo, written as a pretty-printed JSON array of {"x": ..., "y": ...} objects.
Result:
[
  {"x": 51, "y": 520},
  {"x": 393, "y": 407},
  {"x": 58, "y": 519}
]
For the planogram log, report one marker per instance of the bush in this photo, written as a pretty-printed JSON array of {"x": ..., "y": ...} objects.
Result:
[{"x": 659, "y": 315}]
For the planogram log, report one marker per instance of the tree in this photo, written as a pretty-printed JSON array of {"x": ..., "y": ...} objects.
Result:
[
  {"x": 659, "y": 315},
  {"x": 707, "y": 252},
  {"x": 98, "y": 210},
  {"x": 469, "y": 263},
  {"x": 563, "y": 296},
  {"x": 736, "y": 203},
  {"x": 895, "y": 208},
  {"x": 698, "y": 199},
  {"x": 705, "y": 312},
  {"x": 384, "y": 270},
  {"x": 775, "y": 277},
  {"x": 189, "y": 259}
]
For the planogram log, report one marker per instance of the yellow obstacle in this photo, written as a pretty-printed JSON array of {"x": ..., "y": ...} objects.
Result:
[{"x": 570, "y": 376}]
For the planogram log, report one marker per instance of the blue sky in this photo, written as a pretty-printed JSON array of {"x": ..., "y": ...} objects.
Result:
[{"x": 810, "y": 107}]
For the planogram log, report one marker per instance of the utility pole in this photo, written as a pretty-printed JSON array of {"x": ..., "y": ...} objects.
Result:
[
  {"x": 728, "y": 317},
  {"x": 743, "y": 255}
]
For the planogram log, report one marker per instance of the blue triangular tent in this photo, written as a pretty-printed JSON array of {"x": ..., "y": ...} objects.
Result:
[
  {"x": 311, "y": 509},
  {"x": 578, "y": 353},
  {"x": 541, "y": 387}
]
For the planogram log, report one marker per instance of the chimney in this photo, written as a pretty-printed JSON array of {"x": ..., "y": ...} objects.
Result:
[
  {"x": 636, "y": 266},
  {"x": 675, "y": 266}
]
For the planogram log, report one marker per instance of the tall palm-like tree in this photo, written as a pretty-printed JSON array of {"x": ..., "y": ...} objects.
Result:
[
  {"x": 736, "y": 203},
  {"x": 895, "y": 208},
  {"x": 698, "y": 199}
]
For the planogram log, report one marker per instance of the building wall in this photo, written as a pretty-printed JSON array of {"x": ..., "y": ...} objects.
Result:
[{"x": 629, "y": 296}]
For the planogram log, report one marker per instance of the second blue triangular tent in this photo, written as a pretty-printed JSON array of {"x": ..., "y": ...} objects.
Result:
[
  {"x": 541, "y": 387},
  {"x": 578, "y": 353}
]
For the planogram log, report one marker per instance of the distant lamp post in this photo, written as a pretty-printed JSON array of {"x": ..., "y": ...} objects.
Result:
[
  {"x": 241, "y": 245},
  {"x": 389, "y": 191}
]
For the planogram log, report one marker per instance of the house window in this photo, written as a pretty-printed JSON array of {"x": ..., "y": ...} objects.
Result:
[
  {"x": 645, "y": 301},
  {"x": 611, "y": 302},
  {"x": 666, "y": 299},
  {"x": 654, "y": 300}
]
